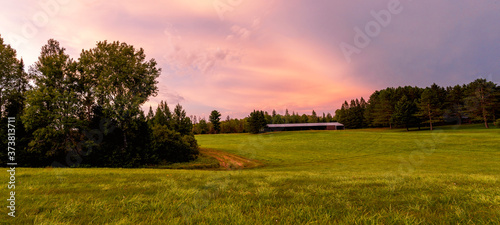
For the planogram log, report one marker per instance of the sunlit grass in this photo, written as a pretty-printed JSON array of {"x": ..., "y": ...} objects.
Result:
[{"x": 310, "y": 177}]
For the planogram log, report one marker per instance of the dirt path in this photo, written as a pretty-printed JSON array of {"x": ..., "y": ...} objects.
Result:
[{"x": 230, "y": 161}]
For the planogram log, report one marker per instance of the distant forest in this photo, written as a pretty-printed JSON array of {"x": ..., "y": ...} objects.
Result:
[{"x": 401, "y": 107}]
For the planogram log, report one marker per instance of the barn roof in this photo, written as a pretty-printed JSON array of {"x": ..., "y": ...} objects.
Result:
[{"x": 305, "y": 124}]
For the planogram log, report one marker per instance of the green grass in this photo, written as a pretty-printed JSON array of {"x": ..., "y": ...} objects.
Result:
[
  {"x": 371, "y": 176},
  {"x": 202, "y": 162}
]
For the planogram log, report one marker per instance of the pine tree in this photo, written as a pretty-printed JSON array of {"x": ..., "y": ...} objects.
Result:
[
  {"x": 256, "y": 122},
  {"x": 404, "y": 112},
  {"x": 215, "y": 120}
]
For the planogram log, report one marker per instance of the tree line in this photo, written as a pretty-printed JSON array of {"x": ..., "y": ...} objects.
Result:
[
  {"x": 409, "y": 106},
  {"x": 86, "y": 112},
  {"x": 404, "y": 107},
  {"x": 255, "y": 122}
]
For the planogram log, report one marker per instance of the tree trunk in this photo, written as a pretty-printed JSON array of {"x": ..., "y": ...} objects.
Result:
[
  {"x": 124, "y": 142},
  {"x": 430, "y": 117},
  {"x": 485, "y": 121},
  {"x": 483, "y": 105},
  {"x": 1, "y": 104}
]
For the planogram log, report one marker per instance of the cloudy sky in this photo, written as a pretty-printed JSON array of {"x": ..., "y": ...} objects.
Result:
[{"x": 240, "y": 55}]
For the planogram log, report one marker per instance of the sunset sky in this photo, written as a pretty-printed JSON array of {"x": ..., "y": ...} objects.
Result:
[{"x": 239, "y": 55}]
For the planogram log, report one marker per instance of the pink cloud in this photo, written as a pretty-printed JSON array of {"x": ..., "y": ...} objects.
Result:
[{"x": 274, "y": 54}]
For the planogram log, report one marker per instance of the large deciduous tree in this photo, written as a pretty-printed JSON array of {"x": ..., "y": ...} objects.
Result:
[
  {"x": 119, "y": 79},
  {"x": 52, "y": 107},
  {"x": 13, "y": 81},
  {"x": 13, "y": 87}
]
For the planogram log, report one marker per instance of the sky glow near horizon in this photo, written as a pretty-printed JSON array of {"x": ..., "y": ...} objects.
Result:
[{"x": 239, "y": 55}]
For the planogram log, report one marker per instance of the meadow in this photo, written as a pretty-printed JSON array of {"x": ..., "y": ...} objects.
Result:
[{"x": 368, "y": 176}]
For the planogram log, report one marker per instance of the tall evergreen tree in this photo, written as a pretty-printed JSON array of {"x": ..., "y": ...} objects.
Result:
[
  {"x": 163, "y": 116},
  {"x": 256, "y": 121},
  {"x": 215, "y": 120},
  {"x": 150, "y": 115},
  {"x": 313, "y": 118},
  {"x": 181, "y": 123},
  {"x": 287, "y": 116},
  {"x": 329, "y": 117},
  {"x": 352, "y": 115},
  {"x": 125, "y": 81}
]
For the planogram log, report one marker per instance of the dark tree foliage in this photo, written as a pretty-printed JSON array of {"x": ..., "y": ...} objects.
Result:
[
  {"x": 202, "y": 127},
  {"x": 313, "y": 118},
  {"x": 233, "y": 126},
  {"x": 381, "y": 106},
  {"x": 118, "y": 78},
  {"x": 268, "y": 118},
  {"x": 242, "y": 126},
  {"x": 172, "y": 136},
  {"x": 431, "y": 104},
  {"x": 385, "y": 107},
  {"x": 215, "y": 120},
  {"x": 455, "y": 102},
  {"x": 87, "y": 112},
  {"x": 404, "y": 113},
  {"x": 256, "y": 122},
  {"x": 482, "y": 100},
  {"x": 180, "y": 122},
  {"x": 52, "y": 107},
  {"x": 352, "y": 115},
  {"x": 496, "y": 107},
  {"x": 13, "y": 88}
]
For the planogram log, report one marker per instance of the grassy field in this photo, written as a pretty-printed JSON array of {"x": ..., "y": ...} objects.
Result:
[{"x": 372, "y": 176}]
